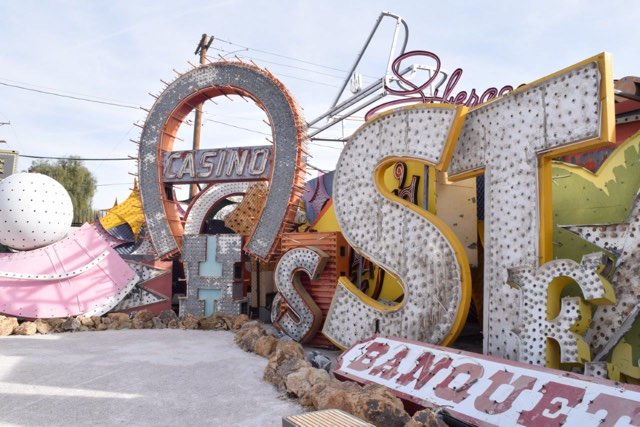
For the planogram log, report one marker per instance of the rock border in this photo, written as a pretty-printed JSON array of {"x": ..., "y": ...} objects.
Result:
[
  {"x": 288, "y": 370},
  {"x": 142, "y": 319}
]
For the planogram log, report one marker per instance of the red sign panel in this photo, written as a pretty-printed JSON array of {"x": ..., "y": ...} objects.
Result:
[{"x": 488, "y": 391}]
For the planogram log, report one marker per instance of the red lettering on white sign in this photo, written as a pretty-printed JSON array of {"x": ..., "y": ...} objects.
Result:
[
  {"x": 484, "y": 390},
  {"x": 427, "y": 370},
  {"x": 502, "y": 378},
  {"x": 457, "y": 394}
]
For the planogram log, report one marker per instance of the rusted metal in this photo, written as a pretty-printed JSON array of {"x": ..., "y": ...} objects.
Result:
[
  {"x": 322, "y": 288},
  {"x": 288, "y": 172}
]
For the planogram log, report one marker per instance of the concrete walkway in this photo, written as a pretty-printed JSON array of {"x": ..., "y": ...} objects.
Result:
[{"x": 135, "y": 378}]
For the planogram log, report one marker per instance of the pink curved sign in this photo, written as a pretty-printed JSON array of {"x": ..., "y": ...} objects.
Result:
[{"x": 80, "y": 274}]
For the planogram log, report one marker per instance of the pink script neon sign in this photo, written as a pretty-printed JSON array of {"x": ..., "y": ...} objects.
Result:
[{"x": 463, "y": 98}]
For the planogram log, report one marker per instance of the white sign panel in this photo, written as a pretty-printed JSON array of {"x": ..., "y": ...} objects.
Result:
[{"x": 488, "y": 391}]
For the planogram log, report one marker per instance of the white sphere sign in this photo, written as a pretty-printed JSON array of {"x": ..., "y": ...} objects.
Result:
[{"x": 35, "y": 211}]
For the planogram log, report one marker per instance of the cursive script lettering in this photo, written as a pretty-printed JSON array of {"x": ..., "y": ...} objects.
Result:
[{"x": 462, "y": 98}]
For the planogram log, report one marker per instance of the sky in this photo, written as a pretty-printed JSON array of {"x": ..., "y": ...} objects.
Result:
[{"x": 119, "y": 51}]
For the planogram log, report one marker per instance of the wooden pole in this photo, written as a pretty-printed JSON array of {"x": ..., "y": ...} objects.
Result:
[{"x": 201, "y": 50}]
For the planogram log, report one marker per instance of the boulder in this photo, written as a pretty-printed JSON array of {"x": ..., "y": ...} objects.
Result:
[
  {"x": 86, "y": 321},
  {"x": 70, "y": 324},
  {"x": 173, "y": 324},
  {"x": 373, "y": 403},
  {"x": 215, "y": 322},
  {"x": 300, "y": 382},
  {"x": 118, "y": 317},
  {"x": 229, "y": 321},
  {"x": 265, "y": 345},
  {"x": 124, "y": 325},
  {"x": 239, "y": 321},
  {"x": 333, "y": 394},
  {"x": 117, "y": 325},
  {"x": 96, "y": 320},
  {"x": 7, "y": 325},
  {"x": 102, "y": 327},
  {"x": 378, "y": 405},
  {"x": 141, "y": 322},
  {"x": 144, "y": 316},
  {"x": 317, "y": 376},
  {"x": 157, "y": 323},
  {"x": 189, "y": 322},
  {"x": 42, "y": 326},
  {"x": 25, "y": 328},
  {"x": 137, "y": 324},
  {"x": 286, "y": 359},
  {"x": 426, "y": 418},
  {"x": 277, "y": 374},
  {"x": 250, "y": 324},
  {"x": 289, "y": 349},
  {"x": 319, "y": 360},
  {"x": 168, "y": 315},
  {"x": 246, "y": 339},
  {"x": 56, "y": 324}
]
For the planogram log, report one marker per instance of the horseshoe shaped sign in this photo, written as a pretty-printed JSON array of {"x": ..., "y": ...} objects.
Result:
[{"x": 287, "y": 166}]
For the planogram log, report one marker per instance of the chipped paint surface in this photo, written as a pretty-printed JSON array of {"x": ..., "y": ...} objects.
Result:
[
  {"x": 140, "y": 295},
  {"x": 483, "y": 390},
  {"x": 505, "y": 138},
  {"x": 303, "y": 317},
  {"x": 175, "y": 102},
  {"x": 622, "y": 240},
  {"x": 409, "y": 243},
  {"x": 128, "y": 212},
  {"x": 244, "y": 217},
  {"x": 207, "y": 200},
  {"x": 80, "y": 274},
  {"x": 228, "y": 253},
  {"x": 568, "y": 327},
  {"x": 218, "y": 165}
]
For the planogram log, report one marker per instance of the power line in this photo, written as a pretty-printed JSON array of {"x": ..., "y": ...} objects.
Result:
[
  {"x": 299, "y": 78},
  {"x": 317, "y": 168},
  {"x": 343, "y": 140},
  {"x": 52, "y": 89},
  {"x": 117, "y": 104},
  {"x": 281, "y": 56},
  {"x": 265, "y": 134},
  {"x": 275, "y": 63},
  {"x": 238, "y": 127},
  {"x": 288, "y": 57},
  {"x": 86, "y": 159},
  {"x": 325, "y": 146},
  {"x": 78, "y": 98},
  {"x": 308, "y": 81}
]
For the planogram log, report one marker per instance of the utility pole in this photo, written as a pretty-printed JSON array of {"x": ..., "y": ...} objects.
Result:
[
  {"x": 201, "y": 50},
  {"x": 2, "y": 141}
]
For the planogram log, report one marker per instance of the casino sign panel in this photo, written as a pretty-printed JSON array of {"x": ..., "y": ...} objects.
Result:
[{"x": 282, "y": 164}]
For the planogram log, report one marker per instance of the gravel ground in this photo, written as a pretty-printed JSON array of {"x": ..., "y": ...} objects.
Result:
[{"x": 137, "y": 378}]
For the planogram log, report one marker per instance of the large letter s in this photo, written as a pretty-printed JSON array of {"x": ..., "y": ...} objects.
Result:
[{"x": 410, "y": 243}]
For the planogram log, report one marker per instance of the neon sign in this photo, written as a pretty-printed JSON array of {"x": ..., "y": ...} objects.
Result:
[
  {"x": 461, "y": 98},
  {"x": 512, "y": 140},
  {"x": 217, "y": 165}
]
